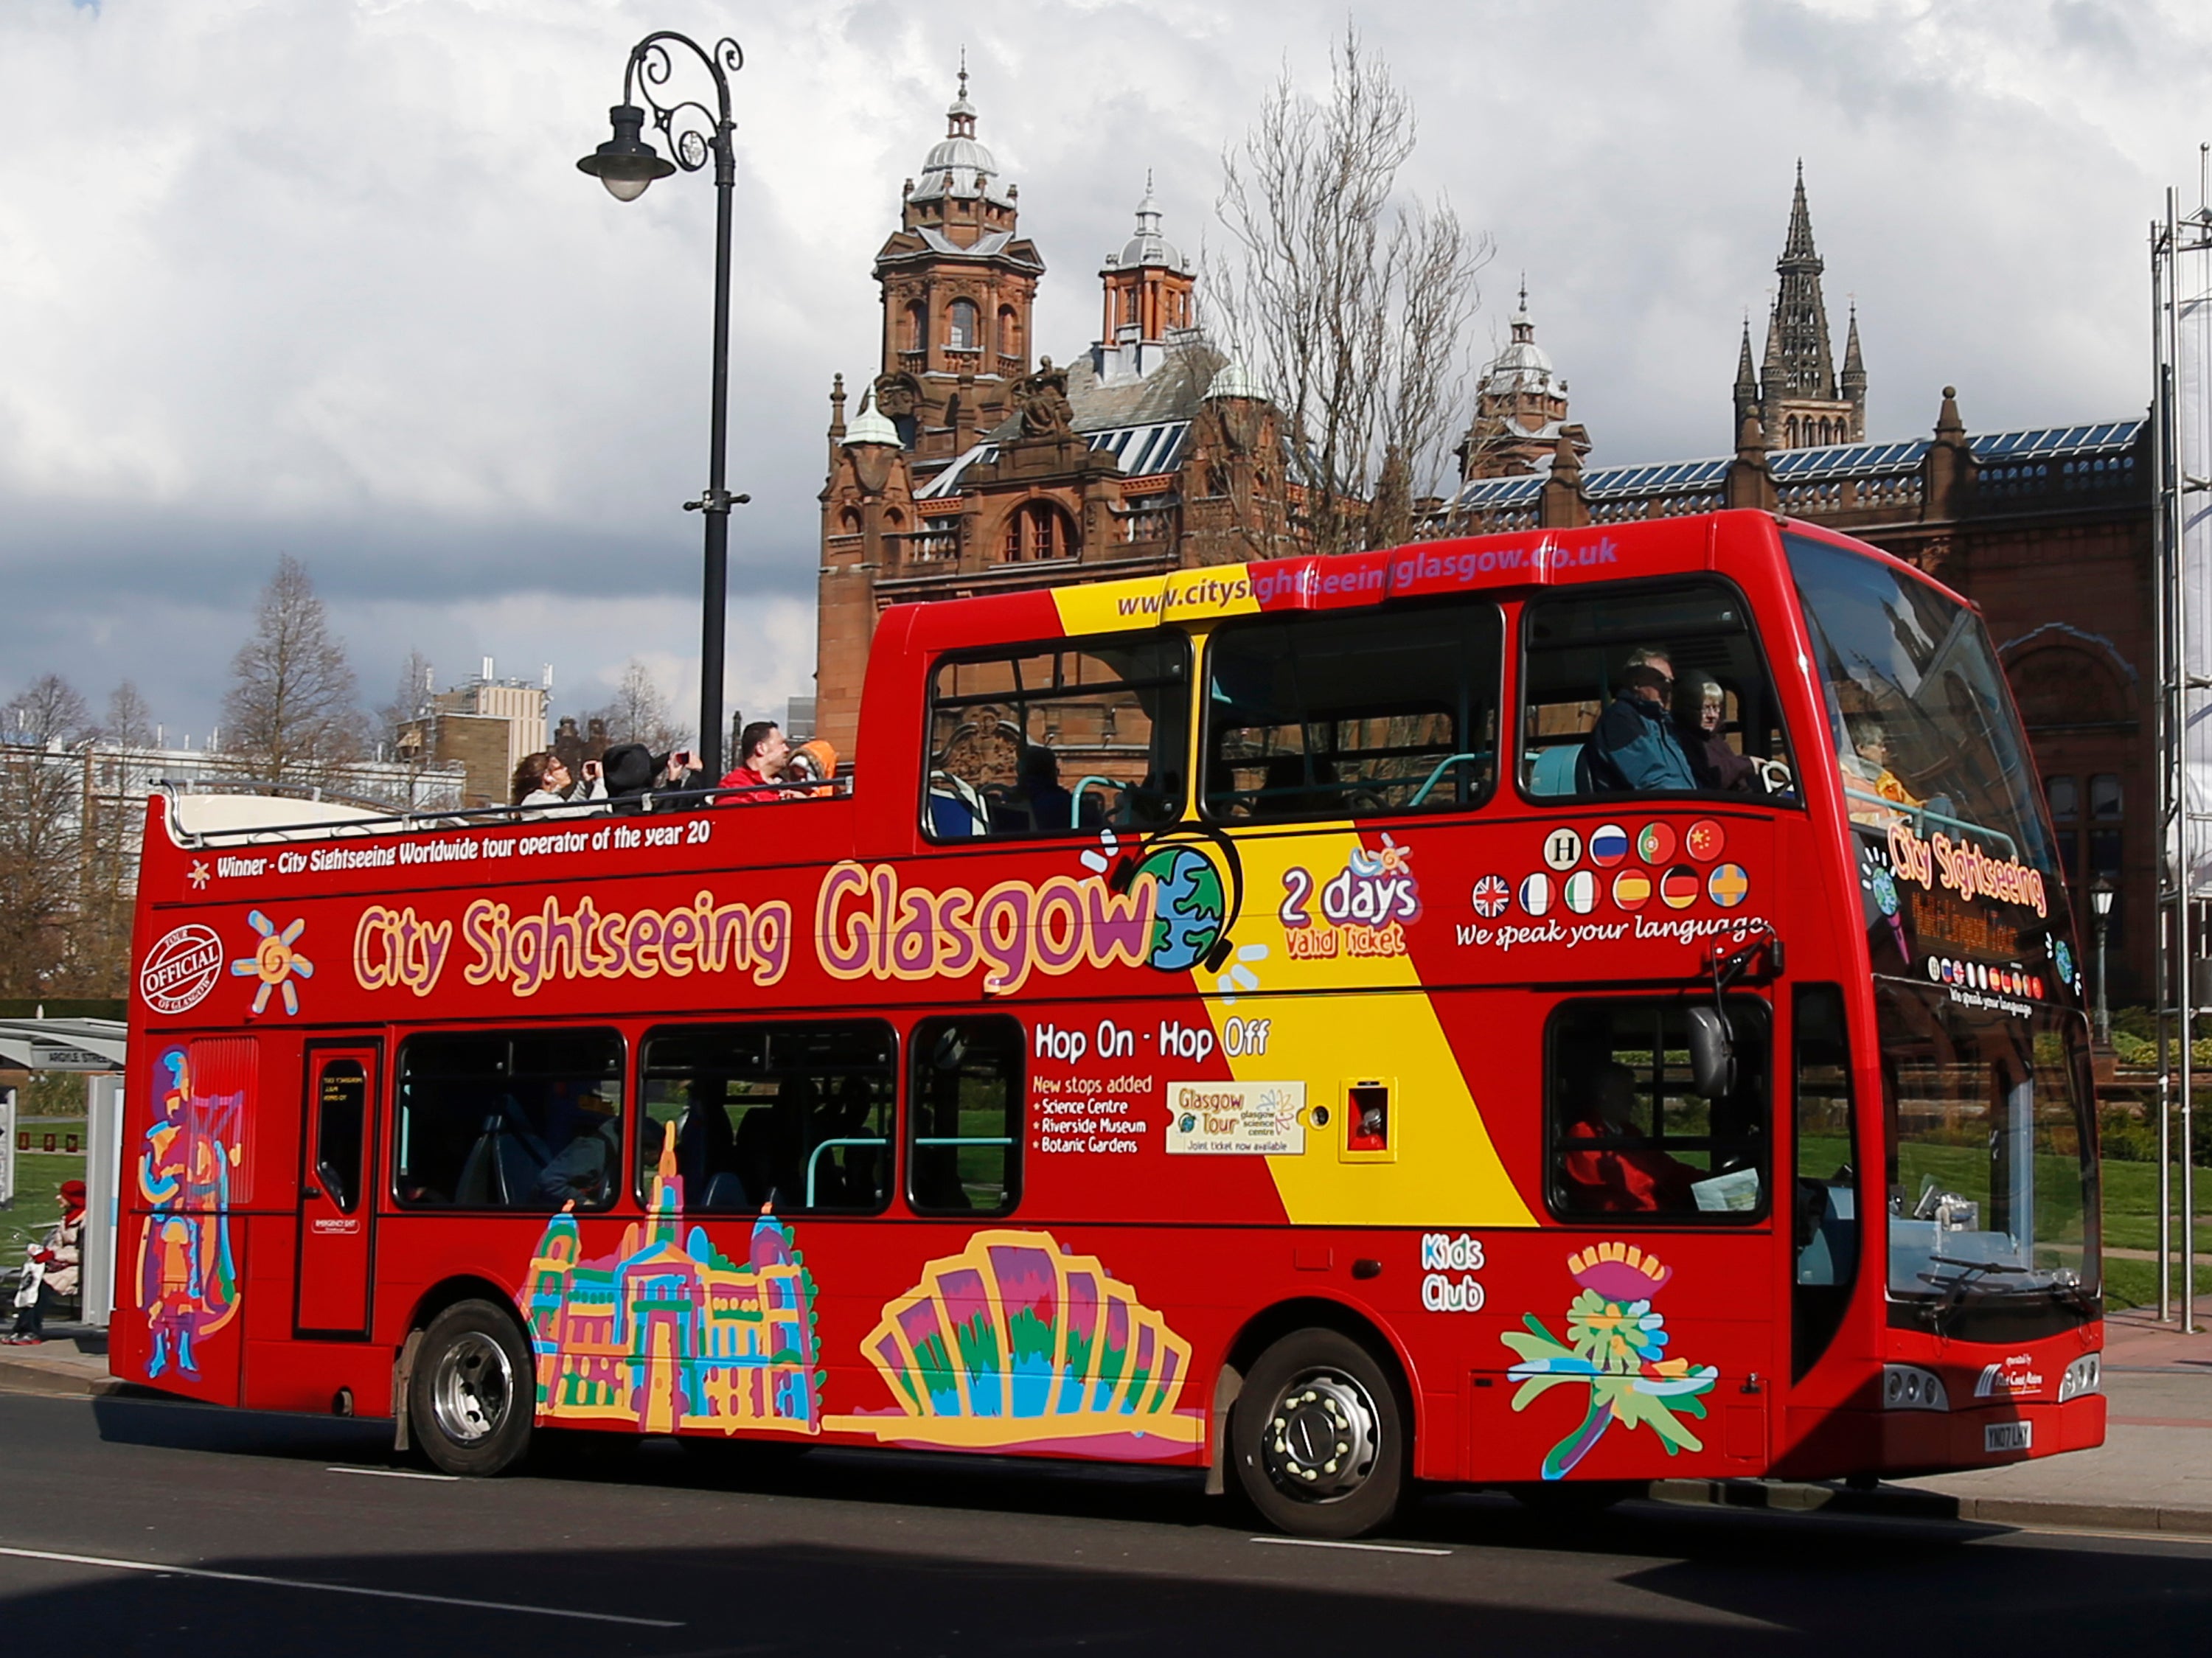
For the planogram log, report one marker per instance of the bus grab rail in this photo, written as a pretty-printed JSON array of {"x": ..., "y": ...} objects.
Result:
[
  {"x": 1436, "y": 776},
  {"x": 920, "y": 1139},
  {"x": 461, "y": 817},
  {"x": 1927, "y": 815}
]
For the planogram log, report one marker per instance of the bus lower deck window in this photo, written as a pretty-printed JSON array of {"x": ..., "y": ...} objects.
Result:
[
  {"x": 1628, "y": 1132},
  {"x": 509, "y": 1119}
]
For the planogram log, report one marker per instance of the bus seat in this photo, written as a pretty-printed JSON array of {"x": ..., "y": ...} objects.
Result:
[
  {"x": 474, "y": 1190},
  {"x": 1554, "y": 769},
  {"x": 518, "y": 1167},
  {"x": 725, "y": 1194}
]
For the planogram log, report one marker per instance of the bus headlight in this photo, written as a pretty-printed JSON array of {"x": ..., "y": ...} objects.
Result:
[
  {"x": 2086, "y": 1374},
  {"x": 1909, "y": 1388}
]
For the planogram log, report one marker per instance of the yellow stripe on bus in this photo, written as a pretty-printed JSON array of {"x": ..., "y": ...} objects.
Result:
[
  {"x": 1381, "y": 1025},
  {"x": 1107, "y": 607}
]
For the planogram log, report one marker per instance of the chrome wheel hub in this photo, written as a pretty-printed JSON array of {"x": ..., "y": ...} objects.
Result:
[
  {"x": 1322, "y": 1436},
  {"x": 473, "y": 1388}
]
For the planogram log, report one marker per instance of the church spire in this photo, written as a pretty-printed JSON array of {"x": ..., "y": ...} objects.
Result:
[
  {"x": 1800, "y": 402},
  {"x": 1747, "y": 376}
]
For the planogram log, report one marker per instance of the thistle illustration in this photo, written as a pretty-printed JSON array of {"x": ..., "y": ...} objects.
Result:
[{"x": 1616, "y": 1346}]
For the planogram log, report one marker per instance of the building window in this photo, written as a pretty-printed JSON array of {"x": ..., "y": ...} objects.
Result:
[
  {"x": 961, "y": 331},
  {"x": 1058, "y": 738},
  {"x": 1010, "y": 332},
  {"x": 509, "y": 1119},
  {"x": 913, "y": 332},
  {"x": 793, "y": 1114},
  {"x": 2088, "y": 823},
  {"x": 1038, "y": 529},
  {"x": 1628, "y": 1132}
]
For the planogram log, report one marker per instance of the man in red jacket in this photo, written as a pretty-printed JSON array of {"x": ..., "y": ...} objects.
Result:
[{"x": 761, "y": 751}]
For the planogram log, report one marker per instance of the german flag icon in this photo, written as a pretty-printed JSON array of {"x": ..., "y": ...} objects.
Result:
[{"x": 1680, "y": 886}]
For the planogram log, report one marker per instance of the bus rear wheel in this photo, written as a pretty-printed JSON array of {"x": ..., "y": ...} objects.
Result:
[
  {"x": 473, "y": 1391},
  {"x": 1318, "y": 1437}
]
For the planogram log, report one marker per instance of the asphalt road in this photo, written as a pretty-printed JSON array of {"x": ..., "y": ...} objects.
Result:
[{"x": 129, "y": 1527}]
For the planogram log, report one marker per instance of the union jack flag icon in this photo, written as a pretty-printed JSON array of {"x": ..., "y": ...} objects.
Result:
[{"x": 1491, "y": 894}]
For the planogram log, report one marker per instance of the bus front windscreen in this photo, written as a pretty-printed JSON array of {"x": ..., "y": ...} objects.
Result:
[
  {"x": 1991, "y": 1177},
  {"x": 1917, "y": 710}
]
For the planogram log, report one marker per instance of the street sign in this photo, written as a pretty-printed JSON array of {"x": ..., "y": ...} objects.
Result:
[{"x": 56, "y": 1056}]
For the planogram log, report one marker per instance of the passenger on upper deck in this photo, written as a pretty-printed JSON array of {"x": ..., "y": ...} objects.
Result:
[
  {"x": 1633, "y": 748},
  {"x": 1715, "y": 765},
  {"x": 632, "y": 771},
  {"x": 1865, "y": 766},
  {"x": 545, "y": 787},
  {"x": 762, "y": 750}
]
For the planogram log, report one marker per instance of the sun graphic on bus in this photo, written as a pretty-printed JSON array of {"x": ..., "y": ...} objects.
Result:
[{"x": 274, "y": 961}]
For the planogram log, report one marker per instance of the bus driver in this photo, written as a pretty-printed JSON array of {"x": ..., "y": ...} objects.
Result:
[{"x": 1619, "y": 1177}]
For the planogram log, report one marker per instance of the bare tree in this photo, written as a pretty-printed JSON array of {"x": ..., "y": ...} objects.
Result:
[
  {"x": 292, "y": 711},
  {"x": 45, "y": 727},
  {"x": 411, "y": 700},
  {"x": 128, "y": 723},
  {"x": 639, "y": 712},
  {"x": 1350, "y": 300}
]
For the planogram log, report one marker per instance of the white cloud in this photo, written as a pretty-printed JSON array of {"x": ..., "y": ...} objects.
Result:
[{"x": 320, "y": 277}]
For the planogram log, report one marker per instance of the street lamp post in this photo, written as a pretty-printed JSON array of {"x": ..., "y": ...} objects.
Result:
[
  {"x": 626, "y": 164},
  {"x": 2101, "y": 897}
]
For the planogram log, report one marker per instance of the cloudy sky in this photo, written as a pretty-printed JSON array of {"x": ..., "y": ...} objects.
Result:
[{"x": 319, "y": 276}]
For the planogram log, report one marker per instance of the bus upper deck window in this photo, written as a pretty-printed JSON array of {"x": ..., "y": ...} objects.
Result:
[
  {"x": 1649, "y": 689},
  {"x": 1068, "y": 737},
  {"x": 1340, "y": 716}
]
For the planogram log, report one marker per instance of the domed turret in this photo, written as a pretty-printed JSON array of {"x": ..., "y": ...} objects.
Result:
[
  {"x": 869, "y": 426},
  {"x": 958, "y": 164}
]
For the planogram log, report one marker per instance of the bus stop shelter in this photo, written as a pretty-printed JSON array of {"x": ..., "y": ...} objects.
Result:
[{"x": 95, "y": 1047}]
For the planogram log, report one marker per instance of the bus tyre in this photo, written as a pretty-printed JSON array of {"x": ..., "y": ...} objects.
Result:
[
  {"x": 473, "y": 1391},
  {"x": 1318, "y": 1438}
]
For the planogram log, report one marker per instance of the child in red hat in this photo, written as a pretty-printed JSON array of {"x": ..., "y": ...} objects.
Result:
[{"x": 50, "y": 1278}]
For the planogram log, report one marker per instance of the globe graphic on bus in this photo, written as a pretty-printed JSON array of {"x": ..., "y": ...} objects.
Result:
[{"x": 1188, "y": 910}]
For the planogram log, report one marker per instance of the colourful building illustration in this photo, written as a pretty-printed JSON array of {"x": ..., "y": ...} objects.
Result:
[
  {"x": 1015, "y": 1342},
  {"x": 660, "y": 1336},
  {"x": 187, "y": 1279}
]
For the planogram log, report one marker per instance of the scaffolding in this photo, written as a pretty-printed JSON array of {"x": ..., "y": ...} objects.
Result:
[{"x": 2181, "y": 440}]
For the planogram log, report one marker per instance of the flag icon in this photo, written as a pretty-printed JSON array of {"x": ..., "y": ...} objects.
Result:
[
  {"x": 1704, "y": 840},
  {"x": 1632, "y": 888},
  {"x": 1609, "y": 845},
  {"x": 1580, "y": 892},
  {"x": 1536, "y": 893},
  {"x": 1680, "y": 886},
  {"x": 1491, "y": 894},
  {"x": 1728, "y": 885},
  {"x": 1656, "y": 844}
]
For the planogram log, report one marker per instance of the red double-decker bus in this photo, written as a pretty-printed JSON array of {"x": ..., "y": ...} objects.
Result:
[{"x": 1547, "y": 1010}]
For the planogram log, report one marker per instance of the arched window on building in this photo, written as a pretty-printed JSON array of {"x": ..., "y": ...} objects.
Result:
[
  {"x": 913, "y": 329},
  {"x": 1039, "y": 529},
  {"x": 1010, "y": 332},
  {"x": 961, "y": 326}
]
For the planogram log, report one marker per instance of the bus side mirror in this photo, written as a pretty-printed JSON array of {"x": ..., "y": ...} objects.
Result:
[{"x": 1712, "y": 1054}]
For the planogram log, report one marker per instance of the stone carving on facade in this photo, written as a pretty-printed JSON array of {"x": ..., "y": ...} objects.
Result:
[{"x": 1042, "y": 399}]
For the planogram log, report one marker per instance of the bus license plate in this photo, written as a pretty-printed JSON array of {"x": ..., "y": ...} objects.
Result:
[{"x": 2009, "y": 1436}]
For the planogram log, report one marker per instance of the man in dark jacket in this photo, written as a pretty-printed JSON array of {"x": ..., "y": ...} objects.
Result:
[{"x": 1633, "y": 748}]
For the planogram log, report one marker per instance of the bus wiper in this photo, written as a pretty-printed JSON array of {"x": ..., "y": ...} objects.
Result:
[
  {"x": 1959, "y": 1286},
  {"x": 1977, "y": 1265}
]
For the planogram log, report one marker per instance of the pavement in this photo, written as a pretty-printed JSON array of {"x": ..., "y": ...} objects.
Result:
[{"x": 2152, "y": 1474}]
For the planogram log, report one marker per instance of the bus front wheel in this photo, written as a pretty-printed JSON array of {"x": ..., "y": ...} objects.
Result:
[
  {"x": 473, "y": 1391},
  {"x": 1319, "y": 1439}
]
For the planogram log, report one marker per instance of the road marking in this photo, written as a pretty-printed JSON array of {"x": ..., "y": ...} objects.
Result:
[
  {"x": 395, "y": 1473},
  {"x": 161, "y": 1569},
  {"x": 1324, "y": 1543},
  {"x": 2196, "y": 1539}
]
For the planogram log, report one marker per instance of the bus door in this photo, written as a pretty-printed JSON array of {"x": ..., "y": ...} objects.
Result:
[{"x": 338, "y": 1152}]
